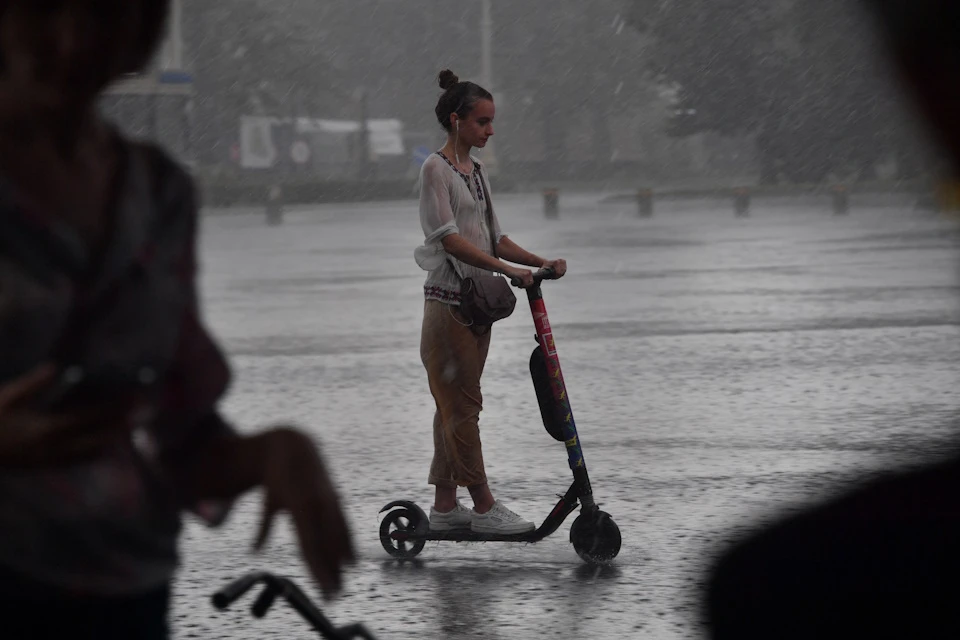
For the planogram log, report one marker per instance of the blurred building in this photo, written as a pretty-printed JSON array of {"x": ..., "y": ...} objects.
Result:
[
  {"x": 158, "y": 103},
  {"x": 345, "y": 91}
]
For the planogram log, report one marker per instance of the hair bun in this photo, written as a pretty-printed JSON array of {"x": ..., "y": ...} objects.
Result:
[{"x": 448, "y": 79}]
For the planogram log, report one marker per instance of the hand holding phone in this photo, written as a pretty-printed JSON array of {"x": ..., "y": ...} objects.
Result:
[{"x": 51, "y": 417}]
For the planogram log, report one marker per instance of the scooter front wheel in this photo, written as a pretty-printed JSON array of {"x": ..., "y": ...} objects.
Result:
[
  {"x": 392, "y": 529},
  {"x": 595, "y": 537}
]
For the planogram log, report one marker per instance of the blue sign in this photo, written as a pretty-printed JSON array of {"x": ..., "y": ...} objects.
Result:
[
  {"x": 175, "y": 77},
  {"x": 420, "y": 155}
]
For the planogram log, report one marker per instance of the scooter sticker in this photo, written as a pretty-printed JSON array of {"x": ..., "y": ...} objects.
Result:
[
  {"x": 544, "y": 322},
  {"x": 549, "y": 345}
]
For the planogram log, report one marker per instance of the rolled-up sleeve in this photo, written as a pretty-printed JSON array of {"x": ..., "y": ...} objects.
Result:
[{"x": 436, "y": 213}]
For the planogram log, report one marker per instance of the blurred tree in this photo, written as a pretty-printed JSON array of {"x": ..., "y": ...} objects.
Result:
[
  {"x": 569, "y": 69},
  {"x": 802, "y": 76}
]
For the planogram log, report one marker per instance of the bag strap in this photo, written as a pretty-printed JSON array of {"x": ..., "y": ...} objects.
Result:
[
  {"x": 489, "y": 215},
  {"x": 489, "y": 212}
]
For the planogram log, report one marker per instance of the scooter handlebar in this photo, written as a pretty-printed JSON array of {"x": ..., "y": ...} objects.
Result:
[{"x": 547, "y": 273}]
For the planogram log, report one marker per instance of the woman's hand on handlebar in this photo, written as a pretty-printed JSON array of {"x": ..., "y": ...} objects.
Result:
[
  {"x": 522, "y": 278},
  {"x": 559, "y": 267}
]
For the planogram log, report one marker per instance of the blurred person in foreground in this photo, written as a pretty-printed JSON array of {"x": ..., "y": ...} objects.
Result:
[
  {"x": 883, "y": 559},
  {"x": 109, "y": 383}
]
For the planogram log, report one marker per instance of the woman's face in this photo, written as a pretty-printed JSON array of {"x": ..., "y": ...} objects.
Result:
[
  {"x": 477, "y": 127},
  {"x": 62, "y": 57}
]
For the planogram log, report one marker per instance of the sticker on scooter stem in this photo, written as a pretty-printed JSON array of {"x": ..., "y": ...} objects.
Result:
[
  {"x": 549, "y": 345},
  {"x": 544, "y": 321}
]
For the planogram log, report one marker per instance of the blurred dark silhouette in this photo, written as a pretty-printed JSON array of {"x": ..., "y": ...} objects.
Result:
[
  {"x": 110, "y": 383},
  {"x": 881, "y": 560}
]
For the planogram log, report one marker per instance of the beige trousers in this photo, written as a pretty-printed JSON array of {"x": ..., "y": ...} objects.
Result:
[{"x": 454, "y": 357}]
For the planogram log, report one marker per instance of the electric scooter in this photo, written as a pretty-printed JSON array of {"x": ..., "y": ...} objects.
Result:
[{"x": 405, "y": 529}]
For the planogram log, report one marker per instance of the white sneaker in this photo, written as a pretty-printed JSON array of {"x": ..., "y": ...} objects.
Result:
[
  {"x": 457, "y": 518},
  {"x": 500, "y": 520}
]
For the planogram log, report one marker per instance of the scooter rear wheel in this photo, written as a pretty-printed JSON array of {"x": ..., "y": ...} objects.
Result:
[
  {"x": 401, "y": 520},
  {"x": 595, "y": 537}
]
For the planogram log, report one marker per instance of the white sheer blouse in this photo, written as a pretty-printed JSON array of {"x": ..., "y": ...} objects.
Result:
[{"x": 451, "y": 202}]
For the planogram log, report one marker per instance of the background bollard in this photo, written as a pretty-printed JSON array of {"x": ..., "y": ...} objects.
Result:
[
  {"x": 741, "y": 202},
  {"x": 551, "y": 203},
  {"x": 948, "y": 198},
  {"x": 275, "y": 205},
  {"x": 841, "y": 200},
  {"x": 645, "y": 203}
]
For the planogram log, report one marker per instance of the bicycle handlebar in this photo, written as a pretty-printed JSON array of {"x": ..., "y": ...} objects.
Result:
[
  {"x": 275, "y": 586},
  {"x": 236, "y": 589}
]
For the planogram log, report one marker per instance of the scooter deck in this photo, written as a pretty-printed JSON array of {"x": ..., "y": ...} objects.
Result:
[{"x": 468, "y": 535}]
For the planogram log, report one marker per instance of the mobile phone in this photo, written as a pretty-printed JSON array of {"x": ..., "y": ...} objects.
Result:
[
  {"x": 63, "y": 388},
  {"x": 75, "y": 386}
]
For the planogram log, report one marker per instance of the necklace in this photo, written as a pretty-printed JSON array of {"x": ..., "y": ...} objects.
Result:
[
  {"x": 475, "y": 173},
  {"x": 456, "y": 165}
]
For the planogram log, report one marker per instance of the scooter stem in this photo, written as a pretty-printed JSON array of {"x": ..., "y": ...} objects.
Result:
[{"x": 547, "y": 344}]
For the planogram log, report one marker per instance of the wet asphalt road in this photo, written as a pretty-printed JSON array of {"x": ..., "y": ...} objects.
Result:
[{"x": 721, "y": 370}]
